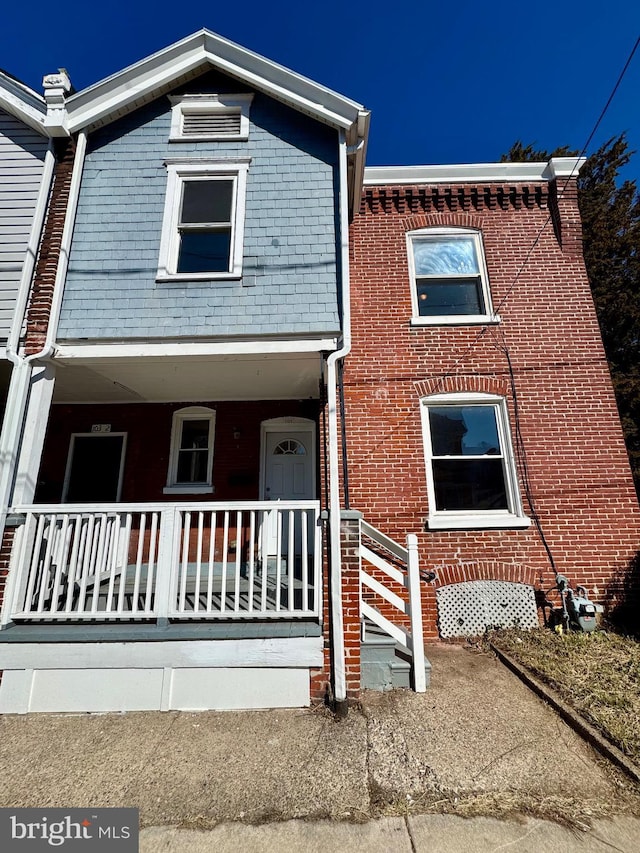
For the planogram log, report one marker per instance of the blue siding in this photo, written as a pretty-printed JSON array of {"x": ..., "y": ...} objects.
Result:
[{"x": 290, "y": 284}]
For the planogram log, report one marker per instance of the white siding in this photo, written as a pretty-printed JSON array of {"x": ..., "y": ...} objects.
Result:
[{"x": 22, "y": 153}]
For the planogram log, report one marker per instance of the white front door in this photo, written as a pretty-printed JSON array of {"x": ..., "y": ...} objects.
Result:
[{"x": 288, "y": 473}]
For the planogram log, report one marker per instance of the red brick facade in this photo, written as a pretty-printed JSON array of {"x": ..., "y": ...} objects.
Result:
[{"x": 575, "y": 454}]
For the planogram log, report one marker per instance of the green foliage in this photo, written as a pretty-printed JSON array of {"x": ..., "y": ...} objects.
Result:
[{"x": 611, "y": 237}]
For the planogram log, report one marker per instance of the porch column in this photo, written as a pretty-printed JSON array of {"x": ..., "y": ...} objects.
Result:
[
  {"x": 35, "y": 427},
  {"x": 350, "y": 545}
]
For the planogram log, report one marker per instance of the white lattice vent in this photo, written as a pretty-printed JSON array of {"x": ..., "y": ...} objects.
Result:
[{"x": 469, "y": 608}]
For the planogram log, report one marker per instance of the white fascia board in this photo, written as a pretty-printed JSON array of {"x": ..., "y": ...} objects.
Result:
[
  {"x": 27, "y": 106},
  {"x": 467, "y": 173},
  {"x": 198, "y": 350},
  {"x": 115, "y": 93},
  {"x": 564, "y": 167}
]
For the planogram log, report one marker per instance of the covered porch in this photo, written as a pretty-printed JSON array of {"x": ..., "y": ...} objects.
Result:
[{"x": 167, "y": 541}]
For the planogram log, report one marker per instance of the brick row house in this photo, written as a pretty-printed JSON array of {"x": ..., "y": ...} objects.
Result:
[
  {"x": 257, "y": 386},
  {"x": 478, "y": 390}
]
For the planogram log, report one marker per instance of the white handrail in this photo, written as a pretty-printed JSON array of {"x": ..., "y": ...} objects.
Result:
[{"x": 407, "y": 578}]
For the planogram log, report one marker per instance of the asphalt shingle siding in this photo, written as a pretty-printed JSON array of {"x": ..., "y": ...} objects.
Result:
[{"x": 289, "y": 268}]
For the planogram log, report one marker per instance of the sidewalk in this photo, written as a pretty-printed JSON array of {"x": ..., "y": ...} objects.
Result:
[
  {"x": 477, "y": 743},
  {"x": 417, "y": 834}
]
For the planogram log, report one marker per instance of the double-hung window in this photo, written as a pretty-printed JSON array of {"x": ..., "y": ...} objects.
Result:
[
  {"x": 203, "y": 226},
  {"x": 449, "y": 277},
  {"x": 470, "y": 467},
  {"x": 191, "y": 454}
]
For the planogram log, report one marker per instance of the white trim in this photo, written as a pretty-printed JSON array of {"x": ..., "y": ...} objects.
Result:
[
  {"x": 222, "y": 105},
  {"x": 245, "y": 653},
  {"x": 177, "y": 173},
  {"x": 72, "y": 442},
  {"x": 188, "y": 490},
  {"x": 452, "y": 232},
  {"x": 26, "y": 277},
  {"x": 180, "y": 416},
  {"x": 12, "y": 101},
  {"x": 285, "y": 425},
  {"x": 526, "y": 172},
  {"x": 162, "y": 350},
  {"x": 65, "y": 244},
  {"x": 514, "y": 516},
  {"x": 107, "y": 99},
  {"x": 335, "y": 545},
  {"x": 458, "y": 320},
  {"x": 466, "y": 521}
]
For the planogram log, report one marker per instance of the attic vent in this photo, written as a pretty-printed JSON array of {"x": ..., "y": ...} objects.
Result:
[
  {"x": 205, "y": 117},
  {"x": 211, "y": 124}
]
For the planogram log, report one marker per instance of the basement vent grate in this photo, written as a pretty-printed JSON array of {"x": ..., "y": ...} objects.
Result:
[
  {"x": 211, "y": 124},
  {"x": 467, "y": 609}
]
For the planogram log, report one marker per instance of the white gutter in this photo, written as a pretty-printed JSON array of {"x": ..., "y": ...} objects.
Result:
[
  {"x": 18, "y": 392},
  {"x": 19, "y": 387},
  {"x": 28, "y": 267},
  {"x": 337, "y": 620}
]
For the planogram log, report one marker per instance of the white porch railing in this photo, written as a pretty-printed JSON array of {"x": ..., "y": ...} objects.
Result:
[
  {"x": 408, "y": 579},
  {"x": 135, "y": 562}
]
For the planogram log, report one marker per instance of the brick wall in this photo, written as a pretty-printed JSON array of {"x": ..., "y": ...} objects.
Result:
[
  {"x": 575, "y": 453},
  {"x": 5, "y": 556},
  {"x": 236, "y": 465},
  {"x": 41, "y": 296}
]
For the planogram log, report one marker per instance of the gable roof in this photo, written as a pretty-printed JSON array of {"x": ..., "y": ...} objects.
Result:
[
  {"x": 133, "y": 86},
  {"x": 22, "y": 102},
  {"x": 184, "y": 60}
]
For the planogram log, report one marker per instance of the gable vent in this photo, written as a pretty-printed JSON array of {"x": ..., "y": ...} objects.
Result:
[{"x": 211, "y": 124}]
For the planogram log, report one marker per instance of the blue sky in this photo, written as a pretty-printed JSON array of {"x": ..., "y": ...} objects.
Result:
[{"x": 445, "y": 84}]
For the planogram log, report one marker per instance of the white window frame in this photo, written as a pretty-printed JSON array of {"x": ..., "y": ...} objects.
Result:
[
  {"x": 180, "y": 416},
  {"x": 180, "y": 171},
  {"x": 514, "y": 515},
  {"x": 487, "y": 316},
  {"x": 220, "y": 104}
]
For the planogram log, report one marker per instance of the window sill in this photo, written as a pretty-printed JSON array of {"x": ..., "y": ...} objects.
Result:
[
  {"x": 209, "y": 137},
  {"x": 188, "y": 490},
  {"x": 458, "y": 320},
  {"x": 478, "y": 522},
  {"x": 199, "y": 276}
]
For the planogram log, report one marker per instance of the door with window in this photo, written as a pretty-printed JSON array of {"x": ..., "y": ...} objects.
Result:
[{"x": 288, "y": 473}]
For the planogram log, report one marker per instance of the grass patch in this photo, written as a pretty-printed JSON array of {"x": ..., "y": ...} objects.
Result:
[{"x": 598, "y": 674}]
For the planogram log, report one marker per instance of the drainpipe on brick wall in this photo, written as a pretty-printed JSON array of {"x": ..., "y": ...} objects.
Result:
[
  {"x": 19, "y": 388},
  {"x": 337, "y": 620}
]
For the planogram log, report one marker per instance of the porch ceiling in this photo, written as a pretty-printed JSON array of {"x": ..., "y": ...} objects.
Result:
[{"x": 269, "y": 376}]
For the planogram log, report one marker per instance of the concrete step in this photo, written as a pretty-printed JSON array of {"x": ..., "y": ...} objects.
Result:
[{"x": 385, "y": 664}]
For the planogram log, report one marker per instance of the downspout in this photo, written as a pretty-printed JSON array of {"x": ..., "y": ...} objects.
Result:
[
  {"x": 337, "y": 620},
  {"x": 18, "y": 397},
  {"x": 18, "y": 392}
]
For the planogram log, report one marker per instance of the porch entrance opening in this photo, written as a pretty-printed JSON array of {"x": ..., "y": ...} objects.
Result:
[{"x": 94, "y": 468}]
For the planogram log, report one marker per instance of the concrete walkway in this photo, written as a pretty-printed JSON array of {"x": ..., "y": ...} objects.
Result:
[
  {"x": 416, "y": 834},
  {"x": 477, "y": 743}
]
